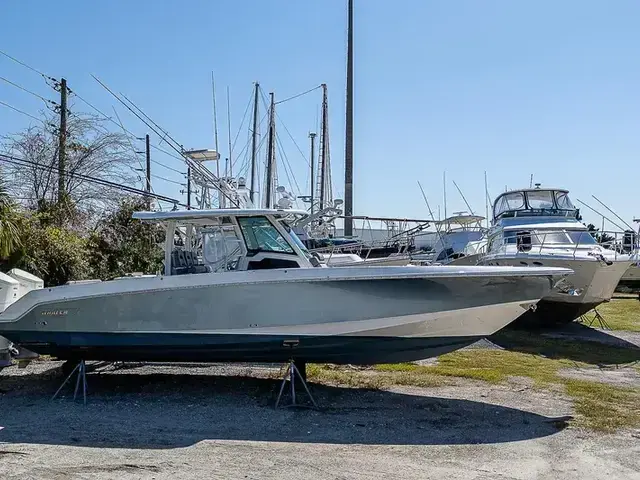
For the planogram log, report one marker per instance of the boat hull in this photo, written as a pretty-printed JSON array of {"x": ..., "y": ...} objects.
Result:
[
  {"x": 202, "y": 318},
  {"x": 592, "y": 283}
]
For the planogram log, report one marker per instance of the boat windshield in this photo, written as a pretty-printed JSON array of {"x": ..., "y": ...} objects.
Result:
[
  {"x": 261, "y": 236},
  {"x": 295, "y": 239},
  {"x": 581, "y": 238},
  {"x": 540, "y": 199},
  {"x": 549, "y": 237},
  {"x": 535, "y": 202}
]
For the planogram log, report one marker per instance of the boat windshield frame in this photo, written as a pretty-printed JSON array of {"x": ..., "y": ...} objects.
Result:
[{"x": 518, "y": 203}]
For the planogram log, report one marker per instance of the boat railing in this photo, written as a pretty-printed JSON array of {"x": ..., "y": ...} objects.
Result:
[
  {"x": 563, "y": 242},
  {"x": 361, "y": 247}
]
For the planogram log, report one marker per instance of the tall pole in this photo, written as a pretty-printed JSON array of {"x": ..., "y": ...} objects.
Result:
[
  {"x": 271, "y": 153},
  {"x": 62, "y": 149},
  {"x": 348, "y": 149},
  {"x": 189, "y": 188},
  {"x": 148, "y": 155},
  {"x": 312, "y": 160},
  {"x": 254, "y": 144},
  {"x": 486, "y": 198},
  {"x": 324, "y": 146},
  {"x": 215, "y": 122},
  {"x": 444, "y": 192},
  {"x": 229, "y": 132}
]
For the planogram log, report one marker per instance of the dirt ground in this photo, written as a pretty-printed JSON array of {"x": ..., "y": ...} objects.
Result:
[{"x": 194, "y": 421}]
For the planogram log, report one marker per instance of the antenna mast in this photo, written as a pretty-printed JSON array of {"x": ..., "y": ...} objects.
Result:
[
  {"x": 215, "y": 122},
  {"x": 444, "y": 192},
  {"x": 463, "y": 198},
  {"x": 486, "y": 198}
]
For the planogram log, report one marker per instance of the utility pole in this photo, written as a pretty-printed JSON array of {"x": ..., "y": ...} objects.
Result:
[
  {"x": 254, "y": 144},
  {"x": 312, "y": 159},
  {"x": 189, "y": 188},
  {"x": 62, "y": 149},
  {"x": 148, "y": 156},
  {"x": 270, "y": 152},
  {"x": 348, "y": 150}
]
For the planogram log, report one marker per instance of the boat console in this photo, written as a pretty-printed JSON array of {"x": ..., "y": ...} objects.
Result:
[{"x": 208, "y": 241}]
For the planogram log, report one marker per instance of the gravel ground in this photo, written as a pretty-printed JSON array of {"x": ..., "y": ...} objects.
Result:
[{"x": 212, "y": 422}]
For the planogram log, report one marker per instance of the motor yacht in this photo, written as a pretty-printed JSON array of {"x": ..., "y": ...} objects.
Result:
[{"x": 541, "y": 227}]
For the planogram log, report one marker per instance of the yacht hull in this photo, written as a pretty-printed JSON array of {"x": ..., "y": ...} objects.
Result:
[
  {"x": 592, "y": 283},
  {"x": 332, "y": 315}
]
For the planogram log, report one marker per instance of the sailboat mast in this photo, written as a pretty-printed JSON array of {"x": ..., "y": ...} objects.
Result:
[
  {"x": 270, "y": 153},
  {"x": 323, "y": 148},
  {"x": 254, "y": 144},
  {"x": 348, "y": 149},
  {"x": 312, "y": 160}
]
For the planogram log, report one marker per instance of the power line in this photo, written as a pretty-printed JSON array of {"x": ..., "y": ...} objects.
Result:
[
  {"x": 130, "y": 134},
  {"x": 46, "y": 100},
  {"x": 22, "y": 112},
  {"x": 25, "y": 65},
  {"x": 88, "y": 178},
  {"x": 197, "y": 167},
  {"x": 97, "y": 110},
  {"x": 167, "y": 180},
  {"x": 298, "y": 95}
]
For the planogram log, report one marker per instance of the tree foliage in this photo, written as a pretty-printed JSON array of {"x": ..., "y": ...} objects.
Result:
[
  {"x": 9, "y": 229},
  {"x": 56, "y": 254},
  {"x": 122, "y": 244}
]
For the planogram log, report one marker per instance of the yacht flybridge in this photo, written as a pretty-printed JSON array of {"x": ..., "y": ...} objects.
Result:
[
  {"x": 540, "y": 227},
  {"x": 238, "y": 285}
]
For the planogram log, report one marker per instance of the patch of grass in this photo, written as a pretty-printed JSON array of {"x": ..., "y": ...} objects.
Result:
[
  {"x": 604, "y": 407},
  {"x": 496, "y": 366},
  {"x": 622, "y": 314},
  {"x": 593, "y": 353},
  {"x": 599, "y": 406},
  {"x": 334, "y": 375}
]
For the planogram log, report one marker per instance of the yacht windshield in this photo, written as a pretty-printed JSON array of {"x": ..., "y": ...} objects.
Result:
[
  {"x": 550, "y": 238},
  {"x": 510, "y": 202},
  {"x": 261, "y": 236},
  {"x": 581, "y": 238},
  {"x": 562, "y": 199},
  {"x": 540, "y": 199}
]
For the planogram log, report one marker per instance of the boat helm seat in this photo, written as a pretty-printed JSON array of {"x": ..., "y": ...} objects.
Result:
[{"x": 184, "y": 262}]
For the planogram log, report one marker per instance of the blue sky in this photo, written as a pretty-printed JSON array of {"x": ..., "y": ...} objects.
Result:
[{"x": 514, "y": 88}]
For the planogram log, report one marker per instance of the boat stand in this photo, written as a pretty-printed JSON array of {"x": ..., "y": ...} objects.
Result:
[
  {"x": 290, "y": 374},
  {"x": 598, "y": 319},
  {"x": 81, "y": 370}
]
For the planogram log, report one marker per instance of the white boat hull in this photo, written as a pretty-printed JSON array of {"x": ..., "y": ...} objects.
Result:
[
  {"x": 592, "y": 283},
  {"x": 350, "y": 315}
]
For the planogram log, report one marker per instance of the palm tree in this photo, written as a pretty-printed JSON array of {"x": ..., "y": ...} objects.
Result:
[{"x": 9, "y": 232}]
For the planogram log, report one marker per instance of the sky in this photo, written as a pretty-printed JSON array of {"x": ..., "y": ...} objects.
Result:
[{"x": 544, "y": 88}]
